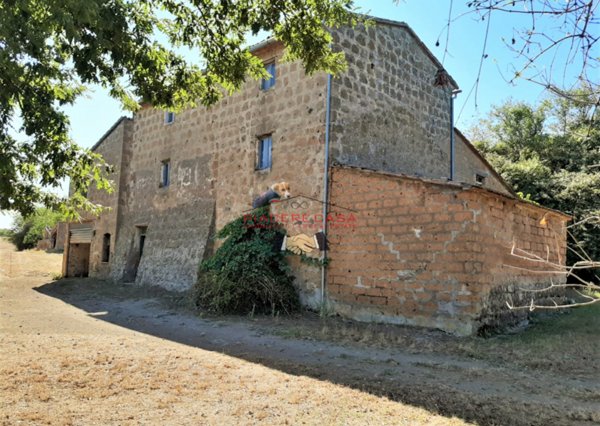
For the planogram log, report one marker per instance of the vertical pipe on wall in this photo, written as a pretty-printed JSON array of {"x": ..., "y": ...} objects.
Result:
[
  {"x": 453, "y": 94},
  {"x": 326, "y": 187}
]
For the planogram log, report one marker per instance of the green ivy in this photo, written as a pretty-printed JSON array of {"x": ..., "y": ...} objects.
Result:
[
  {"x": 248, "y": 273},
  {"x": 313, "y": 261}
]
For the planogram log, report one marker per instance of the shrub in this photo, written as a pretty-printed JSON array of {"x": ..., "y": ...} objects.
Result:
[
  {"x": 29, "y": 230},
  {"x": 248, "y": 273}
]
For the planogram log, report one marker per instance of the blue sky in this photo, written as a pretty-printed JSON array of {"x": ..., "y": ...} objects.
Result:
[{"x": 93, "y": 114}]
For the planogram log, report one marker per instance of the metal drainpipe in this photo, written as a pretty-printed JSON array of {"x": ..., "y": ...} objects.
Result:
[
  {"x": 326, "y": 185},
  {"x": 453, "y": 94}
]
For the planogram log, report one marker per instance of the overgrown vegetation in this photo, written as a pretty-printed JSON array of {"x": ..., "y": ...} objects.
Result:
[
  {"x": 551, "y": 154},
  {"x": 30, "y": 229},
  {"x": 5, "y": 233},
  {"x": 248, "y": 273}
]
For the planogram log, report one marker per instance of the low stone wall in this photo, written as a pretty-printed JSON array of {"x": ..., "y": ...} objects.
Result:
[{"x": 435, "y": 254}]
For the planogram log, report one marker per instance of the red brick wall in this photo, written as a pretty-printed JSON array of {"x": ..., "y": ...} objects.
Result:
[{"x": 433, "y": 254}]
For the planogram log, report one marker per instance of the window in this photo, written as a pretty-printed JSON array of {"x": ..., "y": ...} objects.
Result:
[
  {"x": 480, "y": 178},
  {"x": 106, "y": 248},
  {"x": 165, "y": 173},
  {"x": 169, "y": 117},
  {"x": 264, "y": 152},
  {"x": 266, "y": 84}
]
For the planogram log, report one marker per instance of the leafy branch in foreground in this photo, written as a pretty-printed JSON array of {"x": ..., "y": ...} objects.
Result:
[{"x": 51, "y": 50}]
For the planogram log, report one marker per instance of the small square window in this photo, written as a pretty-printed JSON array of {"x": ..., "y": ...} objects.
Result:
[
  {"x": 266, "y": 84},
  {"x": 169, "y": 117},
  {"x": 480, "y": 178},
  {"x": 165, "y": 173},
  {"x": 265, "y": 145}
]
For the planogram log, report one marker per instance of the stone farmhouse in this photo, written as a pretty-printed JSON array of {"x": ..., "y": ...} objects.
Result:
[{"x": 421, "y": 230}]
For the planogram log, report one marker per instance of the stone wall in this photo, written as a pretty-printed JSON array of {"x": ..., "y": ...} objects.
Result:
[
  {"x": 386, "y": 112},
  {"x": 61, "y": 234},
  {"x": 111, "y": 147},
  {"x": 434, "y": 254},
  {"x": 469, "y": 162},
  {"x": 213, "y": 155}
]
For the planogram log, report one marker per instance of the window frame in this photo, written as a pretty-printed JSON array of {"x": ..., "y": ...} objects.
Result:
[
  {"x": 267, "y": 84},
  {"x": 260, "y": 163},
  {"x": 169, "y": 117},
  {"x": 165, "y": 173},
  {"x": 480, "y": 178}
]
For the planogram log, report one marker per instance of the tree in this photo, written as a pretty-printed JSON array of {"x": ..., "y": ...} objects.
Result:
[
  {"x": 50, "y": 50},
  {"x": 555, "y": 43},
  {"x": 28, "y": 230},
  {"x": 550, "y": 154}
]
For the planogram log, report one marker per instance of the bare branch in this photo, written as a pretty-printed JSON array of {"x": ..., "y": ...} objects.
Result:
[{"x": 568, "y": 37}]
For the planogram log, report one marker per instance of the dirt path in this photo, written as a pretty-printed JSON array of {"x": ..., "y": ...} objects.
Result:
[
  {"x": 64, "y": 365},
  {"x": 71, "y": 346}
]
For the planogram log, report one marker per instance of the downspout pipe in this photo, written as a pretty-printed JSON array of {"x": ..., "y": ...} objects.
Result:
[
  {"x": 453, "y": 95},
  {"x": 326, "y": 188}
]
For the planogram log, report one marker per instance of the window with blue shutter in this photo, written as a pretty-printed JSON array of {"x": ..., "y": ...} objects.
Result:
[
  {"x": 266, "y": 84},
  {"x": 264, "y": 152},
  {"x": 169, "y": 117}
]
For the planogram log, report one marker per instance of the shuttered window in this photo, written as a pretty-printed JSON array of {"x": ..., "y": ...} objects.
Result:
[{"x": 81, "y": 235}]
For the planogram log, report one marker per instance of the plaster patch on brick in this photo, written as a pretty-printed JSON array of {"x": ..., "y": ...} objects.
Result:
[
  {"x": 417, "y": 232},
  {"x": 406, "y": 275},
  {"x": 447, "y": 308},
  {"x": 359, "y": 283},
  {"x": 389, "y": 245},
  {"x": 455, "y": 234}
]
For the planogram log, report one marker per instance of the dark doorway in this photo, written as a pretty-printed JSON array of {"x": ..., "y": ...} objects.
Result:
[
  {"x": 141, "y": 237},
  {"x": 142, "y": 241},
  {"x": 78, "y": 260}
]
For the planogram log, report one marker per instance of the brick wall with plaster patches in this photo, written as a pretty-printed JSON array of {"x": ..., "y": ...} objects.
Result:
[{"x": 431, "y": 254}]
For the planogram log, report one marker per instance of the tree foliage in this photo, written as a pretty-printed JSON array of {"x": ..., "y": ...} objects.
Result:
[
  {"x": 50, "y": 50},
  {"x": 28, "y": 230},
  {"x": 550, "y": 154}
]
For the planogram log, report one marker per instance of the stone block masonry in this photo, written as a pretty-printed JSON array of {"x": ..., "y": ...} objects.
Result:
[
  {"x": 420, "y": 252},
  {"x": 387, "y": 114},
  {"x": 434, "y": 254}
]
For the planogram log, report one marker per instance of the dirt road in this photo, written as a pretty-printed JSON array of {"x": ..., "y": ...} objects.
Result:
[
  {"x": 86, "y": 352},
  {"x": 64, "y": 365}
]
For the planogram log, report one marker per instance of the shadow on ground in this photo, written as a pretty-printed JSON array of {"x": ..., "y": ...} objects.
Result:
[{"x": 471, "y": 389}]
